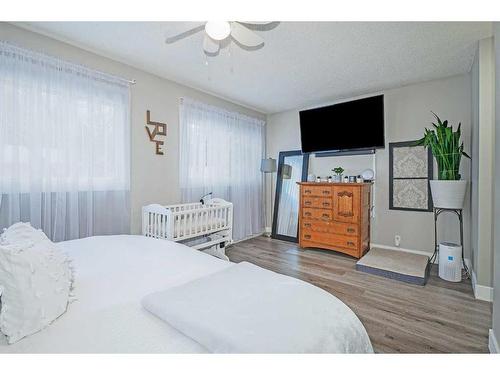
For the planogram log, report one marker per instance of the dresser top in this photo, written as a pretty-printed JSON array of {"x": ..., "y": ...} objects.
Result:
[{"x": 334, "y": 183}]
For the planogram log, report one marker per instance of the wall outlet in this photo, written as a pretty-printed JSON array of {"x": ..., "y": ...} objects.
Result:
[{"x": 397, "y": 240}]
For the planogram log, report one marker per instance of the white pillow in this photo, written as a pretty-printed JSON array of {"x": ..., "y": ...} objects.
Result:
[
  {"x": 20, "y": 232},
  {"x": 35, "y": 281}
]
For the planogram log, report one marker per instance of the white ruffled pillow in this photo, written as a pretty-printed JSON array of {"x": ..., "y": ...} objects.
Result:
[
  {"x": 35, "y": 281},
  {"x": 21, "y": 232}
]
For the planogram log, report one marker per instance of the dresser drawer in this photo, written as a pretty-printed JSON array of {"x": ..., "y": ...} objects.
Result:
[
  {"x": 331, "y": 227},
  {"x": 317, "y": 214},
  {"x": 316, "y": 202},
  {"x": 317, "y": 191},
  {"x": 330, "y": 239}
]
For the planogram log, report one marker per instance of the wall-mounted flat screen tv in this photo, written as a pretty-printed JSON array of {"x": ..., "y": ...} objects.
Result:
[{"x": 354, "y": 125}]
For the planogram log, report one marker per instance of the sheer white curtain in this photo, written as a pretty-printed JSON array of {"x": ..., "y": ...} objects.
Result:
[
  {"x": 64, "y": 146},
  {"x": 220, "y": 152}
]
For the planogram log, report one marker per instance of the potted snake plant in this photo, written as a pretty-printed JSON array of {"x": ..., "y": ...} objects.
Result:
[
  {"x": 448, "y": 191},
  {"x": 338, "y": 174}
]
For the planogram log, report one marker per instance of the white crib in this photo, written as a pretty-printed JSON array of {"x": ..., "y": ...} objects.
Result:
[{"x": 198, "y": 225}]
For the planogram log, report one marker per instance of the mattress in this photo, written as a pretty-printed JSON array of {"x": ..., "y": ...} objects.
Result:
[{"x": 113, "y": 273}]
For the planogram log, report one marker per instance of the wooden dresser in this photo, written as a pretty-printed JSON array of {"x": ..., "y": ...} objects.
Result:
[{"x": 335, "y": 216}]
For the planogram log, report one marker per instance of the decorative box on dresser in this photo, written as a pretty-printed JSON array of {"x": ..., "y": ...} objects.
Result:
[{"x": 335, "y": 216}]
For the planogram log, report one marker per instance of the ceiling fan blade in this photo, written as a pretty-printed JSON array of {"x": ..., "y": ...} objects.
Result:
[
  {"x": 185, "y": 34},
  {"x": 245, "y": 36},
  {"x": 255, "y": 22},
  {"x": 210, "y": 46}
]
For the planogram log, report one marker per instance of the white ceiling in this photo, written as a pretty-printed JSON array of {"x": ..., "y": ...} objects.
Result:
[{"x": 301, "y": 63}]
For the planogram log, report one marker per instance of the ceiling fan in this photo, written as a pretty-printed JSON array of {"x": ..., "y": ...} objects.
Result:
[{"x": 217, "y": 32}]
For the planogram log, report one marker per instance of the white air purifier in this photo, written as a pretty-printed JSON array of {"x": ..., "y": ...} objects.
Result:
[{"x": 450, "y": 261}]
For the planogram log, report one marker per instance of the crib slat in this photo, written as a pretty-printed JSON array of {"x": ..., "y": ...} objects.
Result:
[
  {"x": 156, "y": 225},
  {"x": 152, "y": 225},
  {"x": 164, "y": 226},
  {"x": 184, "y": 226},
  {"x": 216, "y": 218}
]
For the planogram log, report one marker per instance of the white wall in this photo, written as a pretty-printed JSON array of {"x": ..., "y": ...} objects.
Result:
[
  {"x": 407, "y": 113},
  {"x": 154, "y": 178},
  {"x": 496, "y": 256},
  {"x": 474, "y": 196},
  {"x": 483, "y": 154}
]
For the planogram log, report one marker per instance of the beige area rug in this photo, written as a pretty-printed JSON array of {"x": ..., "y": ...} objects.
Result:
[{"x": 398, "y": 265}]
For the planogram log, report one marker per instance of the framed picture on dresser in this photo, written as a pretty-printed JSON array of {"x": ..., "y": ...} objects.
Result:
[{"x": 410, "y": 170}]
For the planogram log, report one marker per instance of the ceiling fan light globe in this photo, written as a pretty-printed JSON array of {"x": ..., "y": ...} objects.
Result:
[{"x": 218, "y": 30}]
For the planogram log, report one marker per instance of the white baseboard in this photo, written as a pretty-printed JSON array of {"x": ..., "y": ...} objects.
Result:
[
  {"x": 481, "y": 292},
  {"x": 268, "y": 230},
  {"x": 249, "y": 237},
  {"x": 493, "y": 343}
]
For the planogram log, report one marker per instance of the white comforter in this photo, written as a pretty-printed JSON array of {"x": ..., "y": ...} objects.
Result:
[
  {"x": 113, "y": 274},
  {"x": 247, "y": 309}
]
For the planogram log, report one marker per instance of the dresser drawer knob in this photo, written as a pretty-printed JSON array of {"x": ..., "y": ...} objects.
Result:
[
  {"x": 307, "y": 203},
  {"x": 307, "y": 191},
  {"x": 326, "y": 204},
  {"x": 326, "y": 192},
  {"x": 326, "y": 216},
  {"x": 307, "y": 236},
  {"x": 351, "y": 230},
  {"x": 307, "y": 213},
  {"x": 349, "y": 243},
  {"x": 307, "y": 225}
]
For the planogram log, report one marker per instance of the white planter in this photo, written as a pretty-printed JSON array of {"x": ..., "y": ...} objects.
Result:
[{"x": 448, "y": 194}]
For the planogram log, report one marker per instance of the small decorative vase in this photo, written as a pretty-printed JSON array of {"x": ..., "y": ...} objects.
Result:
[
  {"x": 448, "y": 193},
  {"x": 337, "y": 178}
]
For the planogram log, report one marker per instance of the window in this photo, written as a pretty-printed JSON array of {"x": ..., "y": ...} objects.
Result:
[
  {"x": 64, "y": 146},
  {"x": 221, "y": 153}
]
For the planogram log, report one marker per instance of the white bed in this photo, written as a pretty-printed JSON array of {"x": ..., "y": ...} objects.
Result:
[{"x": 113, "y": 274}]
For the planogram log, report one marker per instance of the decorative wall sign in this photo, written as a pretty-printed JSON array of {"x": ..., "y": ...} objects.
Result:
[
  {"x": 410, "y": 169},
  {"x": 160, "y": 129}
]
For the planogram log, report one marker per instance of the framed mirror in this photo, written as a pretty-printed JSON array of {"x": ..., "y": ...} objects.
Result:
[{"x": 292, "y": 168}]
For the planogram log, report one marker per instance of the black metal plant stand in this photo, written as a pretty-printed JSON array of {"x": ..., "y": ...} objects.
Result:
[{"x": 459, "y": 213}]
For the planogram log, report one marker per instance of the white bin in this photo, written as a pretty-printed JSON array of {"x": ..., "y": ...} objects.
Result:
[{"x": 450, "y": 261}]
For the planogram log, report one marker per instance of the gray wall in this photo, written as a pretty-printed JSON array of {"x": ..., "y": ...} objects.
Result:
[
  {"x": 496, "y": 255},
  {"x": 407, "y": 112},
  {"x": 474, "y": 196},
  {"x": 483, "y": 147},
  {"x": 154, "y": 178}
]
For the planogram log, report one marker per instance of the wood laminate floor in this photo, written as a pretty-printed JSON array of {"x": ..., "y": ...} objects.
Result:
[{"x": 440, "y": 317}]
